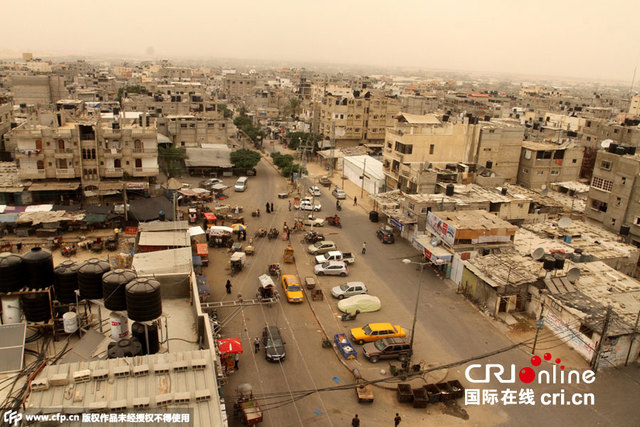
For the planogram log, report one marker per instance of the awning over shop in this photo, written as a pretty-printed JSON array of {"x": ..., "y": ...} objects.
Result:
[
  {"x": 164, "y": 238},
  {"x": 9, "y": 218},
  {"x": 435, "y": 254},
  {"x": 54, "y": 186},
  {"x": 187, "y": 192},
  {"x": 39, "y": 208},
  {"x": 110, "y": 186},
  {"x": 12, "y": 189},
  {"x": 170, "y": 261},
  {"x": 210, "y": 216},
  {"x": 95, "y": 218}
]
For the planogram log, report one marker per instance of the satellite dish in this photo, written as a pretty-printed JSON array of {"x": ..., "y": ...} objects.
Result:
[
  {"x": 537, "y": 254},
  {"x": 543, "y": 187},
  {"x": 564, "y": 222},
  {"x": 606, "y": 143},
  {"x": 573, "y": 274}
]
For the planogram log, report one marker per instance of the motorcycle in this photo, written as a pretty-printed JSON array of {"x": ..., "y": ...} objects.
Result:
[
  {"x": 334, "y": 220},
  {"x": 338, "y": 206},
  {"x": 349, "y": 316},
  {"x": 313, "y": 237}
]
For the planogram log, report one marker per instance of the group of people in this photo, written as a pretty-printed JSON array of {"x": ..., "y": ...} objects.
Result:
[
  {"x": 355, "y": 422},
  {"x": 269, "y": 207}
]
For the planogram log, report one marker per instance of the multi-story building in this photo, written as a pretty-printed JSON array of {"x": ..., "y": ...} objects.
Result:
[
  {"x": 614, "y": 195},
  {"x": 239, "y": 85},
  {"x": 425, "y": 139},
  {"x": 634, "y": 105},
  {"x": 350, "y": 117},
  {"x": 192, "y": 131},
  {"x": 88, "y": 151},
  {"x": 542, "y": 163}
]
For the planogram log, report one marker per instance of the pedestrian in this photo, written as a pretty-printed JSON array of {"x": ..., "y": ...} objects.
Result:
[
  {"x": 222, "y": 221},
  {"x": 289, "y": 208},
  {"x": 19, "y": 246},
  {"x": 239, "y": 235},
  {"x": 355, "y": 201},
  {"x": 272, "y": 207},
  {"x": 355, "y": 422},
  {"x": 396, "y": 420},
  {"x": 236, "y": 360},
  {"x": 267, "y": 206},
  {"x": 256, "y": 346},
  {"x": 364, "y": 248},
  {"x": 228, "y": 286}
]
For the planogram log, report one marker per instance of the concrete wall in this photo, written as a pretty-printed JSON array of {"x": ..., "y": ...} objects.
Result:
[{"x": 502, "y": 147}]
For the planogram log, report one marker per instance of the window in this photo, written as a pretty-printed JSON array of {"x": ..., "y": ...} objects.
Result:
[
  {"x": 605, "y": 165},
  {"x": 555, "y": 172},
  {"x": 540, "y": 172},
  {"x": 525, "y": 171},
  {"x": 574, "y": 161},
  {"x": 623, "y": 180},
  {"x": 602, "y": 184},
  {"x": 431, "y": 148},
  {"x": 598, "y": 205},
  {"x": 618, "y": 201},
  {"x": 613, "y": 221}
]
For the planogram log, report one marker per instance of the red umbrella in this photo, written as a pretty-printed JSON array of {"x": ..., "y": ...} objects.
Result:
[{"x": 230, "y": 346}]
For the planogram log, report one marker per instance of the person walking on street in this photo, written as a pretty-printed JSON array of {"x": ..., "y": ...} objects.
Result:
[
  {"x": 289, "y": 205},
  {"x": 355, "y": 201},
  {"x": 256, "y": 347},
  {"x": 355, "y": 422},
  {"x": 236, "y": 360},
  {"x": 272, "y": 207},
  {"x": 222, "y": 221},
  {"x": 396, "y": 420},
  {"x": 228, "y": 286},
  {"x": 267, "y": 206},
  {"x": 364, "y": 248}
]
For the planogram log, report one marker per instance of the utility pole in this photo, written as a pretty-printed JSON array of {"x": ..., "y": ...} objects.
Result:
[
  {"x": 124, "y": 199},
  {"x": 364, "y": 171},
  {"x": 538, "y": 327},
  {"x": 633, "y": 338},
  {"x": 603, "y": 336}
]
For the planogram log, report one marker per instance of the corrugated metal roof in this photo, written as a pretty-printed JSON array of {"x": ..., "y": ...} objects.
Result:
[
  {"x": 163, "y": 226},
  {"x": 170, "y": 261},
  {"x": 162, "y": 381},
  {"x": 164, "y": 238}
]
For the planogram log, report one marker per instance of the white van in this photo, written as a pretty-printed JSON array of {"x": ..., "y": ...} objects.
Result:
[{"x": 241, "y": 184}]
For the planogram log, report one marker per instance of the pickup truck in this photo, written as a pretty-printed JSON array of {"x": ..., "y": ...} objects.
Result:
[{"x": 347, "y": 257}]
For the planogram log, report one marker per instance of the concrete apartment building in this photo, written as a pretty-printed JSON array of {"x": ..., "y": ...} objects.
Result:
[
  {"x": 542, "y": 163},
  {"x": 38, "y": 90},
  {"x": 239, "y": 85},
  {"x": 634, "y": 105},
  {"x": 614, "y": 195},
  {"x": 626, "y": 133},
  {"x": 350, "y": 117},
  {"x": 88, "y": 151},
  {"x": 191, "y": 131},
  {"x": 427, "y": 140}
]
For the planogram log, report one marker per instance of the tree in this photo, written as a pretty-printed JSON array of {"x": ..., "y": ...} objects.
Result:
[
  {"x": 227, "y": 113},
  {"x": 293, "y": 107},
  {"x": 130, "y": 89},
  {"x": 296, "y": 139},
  {"x": 245, "y": 159},
  {"x": 282, "y": 160},
  {"x": 170, "y": 160}
]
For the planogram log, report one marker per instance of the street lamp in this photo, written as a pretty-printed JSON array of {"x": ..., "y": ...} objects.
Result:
[{"x": 415, "y": 310}]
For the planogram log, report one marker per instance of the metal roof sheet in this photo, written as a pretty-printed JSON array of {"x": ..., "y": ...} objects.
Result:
[{"x": 164, "y": 238}]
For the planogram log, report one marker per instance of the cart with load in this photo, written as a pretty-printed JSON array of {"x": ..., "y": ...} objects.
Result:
[
  {"x": 237, "y": 261},
  {"x": 364, "y": 391},
  {"x": 202, "y": 250},
  {"x": 260, "y": 232},
  {"x": 274, "y": 269},
  {"x": 246, "y": 407},
  {"x": 266, "y": 288},
  {"x": 288, "y": 255},
  {"x": 345, "y": 346},
  {"x": 310, "y": 282}
]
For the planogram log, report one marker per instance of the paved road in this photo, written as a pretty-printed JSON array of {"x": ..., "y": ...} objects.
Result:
[{"x": 448, "y": 328}]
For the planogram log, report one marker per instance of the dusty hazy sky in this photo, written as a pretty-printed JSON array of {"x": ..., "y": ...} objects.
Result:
[{"x": 589, "y": 38}]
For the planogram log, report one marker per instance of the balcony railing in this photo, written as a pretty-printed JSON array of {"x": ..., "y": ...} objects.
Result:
[
  {"x": 65, "y": 173},
  {"x": 113, "y": 172},
  {"x": 32, "y": 173},
  {"x": 145, "y": 150},
  {"x": 64, "y": 150}
]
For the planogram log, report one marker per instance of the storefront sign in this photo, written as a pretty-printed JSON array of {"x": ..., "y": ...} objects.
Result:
[{"x": 440, "y": 228}]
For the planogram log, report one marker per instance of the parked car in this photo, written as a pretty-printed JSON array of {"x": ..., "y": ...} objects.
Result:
[
  {"x": 311, "y": 221},
  {"x": 347, "y": 257},
  {"x": 338, "y": 193},
  {"x": 348, "y": 289},
  {"x": 273, "y": 344},
  {"x": 385, "y": 235},
  {"x": 387, "y": 348},
  {"x": 209, "y": 182},
  {"x": 376, "y": 331},
  {"x": 306, "y": 204},
  {"x": 292, "y": 288},
  {"x": 321, "y": 247},
  {"x": 331, "y": 268},
  {"x": 314, "y": 190},
  {"x": 363, "y": 303},
  {"x": 324, "y": 181}
]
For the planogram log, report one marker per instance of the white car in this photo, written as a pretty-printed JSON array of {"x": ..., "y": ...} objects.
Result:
[
  {"x": 348, "y": 290},
  {"x": 315, "y": 191},
  {"x": 307, "y": 205},
  {"x": 315, "y": 222},
  {"x": 333, "y": 268},
  {"x": 339, "y": 194}
]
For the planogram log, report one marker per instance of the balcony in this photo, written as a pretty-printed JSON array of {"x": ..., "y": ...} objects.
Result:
[
  {"x": 32, "y": 173},
  {"x": 145, "y": 152},
  {"x": 113, "y": 172},
  {"x": 111, "y": 153},
  {"x": 64, "y": 153},
  {"x": 145, "y": 171},
  {"x": 22, "y": 153},
  {"x": 66, "y": 173}
]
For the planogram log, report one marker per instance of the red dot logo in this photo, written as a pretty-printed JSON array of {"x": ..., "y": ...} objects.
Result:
[
  {"x": 527, "y": 375},
  {"x": 547, "y": 356},
  {"x": 558, "y": 360},
  {"x": 536, "y": 361}
]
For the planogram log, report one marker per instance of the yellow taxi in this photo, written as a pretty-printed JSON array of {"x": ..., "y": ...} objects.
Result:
[
  {"x": 292, "y": 288},
  {"x": 375, "y": 331}
]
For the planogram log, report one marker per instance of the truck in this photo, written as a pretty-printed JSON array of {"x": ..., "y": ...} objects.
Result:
[{"x": 347, "y": 257}]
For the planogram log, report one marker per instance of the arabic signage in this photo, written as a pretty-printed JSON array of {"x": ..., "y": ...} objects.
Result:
[
  {"x": 397, "y": 224},
  {"x": 441, "y": 229}
]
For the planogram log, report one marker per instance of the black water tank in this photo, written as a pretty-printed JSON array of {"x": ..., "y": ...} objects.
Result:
[
  {"x": 38, "y": 266},
  {"x": 143, "y": 299},
  {"x": 559, "y": 263},
  {"x": 373, "y": 216},
  {"x": 613, "y": 148},
  {"x": 11, "y": 272},
  {"x": 631, "y": 150},
  {"x": 126, "y": 347},
  {"x": 489, "y": 164},
  {"x": 549, "y": 263},
  {"x": 624, "y": 230},
  {"x": 113, "y": 288},
  {"x": 621, "y": 150},
  {"x": 36, "y": 307},
  {"x": 445, "y": 118},
  {"x": 65, "y": 281},
  {"x": 504, "y": 191},
  {"x": 90, "y": 278},
  {"x": 138, "y": 331},
  {"x": 449, "y": 190}
]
